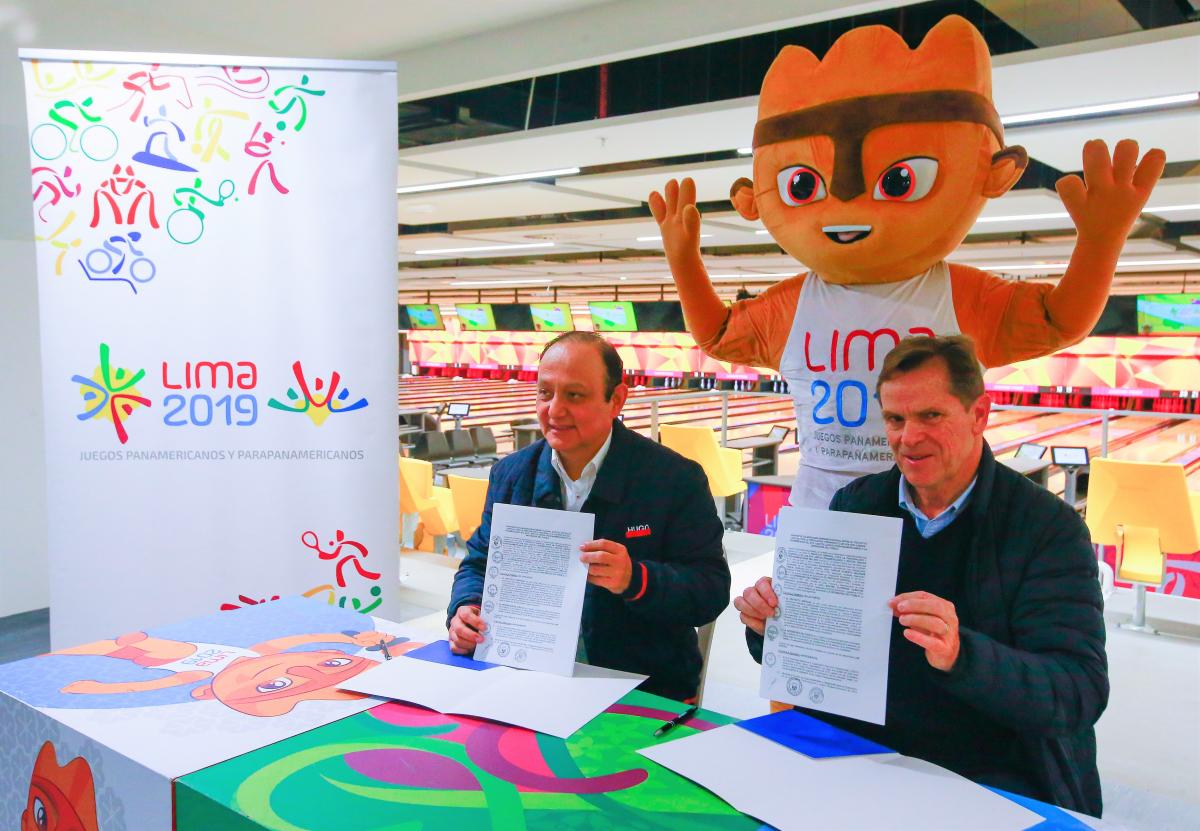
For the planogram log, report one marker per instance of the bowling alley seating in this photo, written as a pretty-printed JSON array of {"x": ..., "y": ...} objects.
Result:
[
  {"x": 434, "y": 506},
  {"x": 1145, "y": 510},
  {"x": 431, "y": 446},
  {"x": 469, "y": 495},
  {"x": 485, "y": 445},
  {"x": 462, "y": 448},
  {"x": 722, "y": 465}
]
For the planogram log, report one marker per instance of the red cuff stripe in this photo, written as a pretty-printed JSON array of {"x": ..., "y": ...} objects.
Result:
[{"x": 645, "y": 580}]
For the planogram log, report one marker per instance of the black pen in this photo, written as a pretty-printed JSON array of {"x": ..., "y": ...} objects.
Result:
[
  {"x": 678, "y": 720},
  {"x": 383, "y": 646}
]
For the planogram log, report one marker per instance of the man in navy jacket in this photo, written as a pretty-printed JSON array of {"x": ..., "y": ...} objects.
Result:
[
  {"x": 657, "y": 569},
  {"x": 997, "y": 668}
]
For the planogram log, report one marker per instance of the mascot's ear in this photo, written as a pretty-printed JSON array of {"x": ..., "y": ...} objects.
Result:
[
  {"x": 1007, "y": 167},
  {"x": 741, "y": 194}
]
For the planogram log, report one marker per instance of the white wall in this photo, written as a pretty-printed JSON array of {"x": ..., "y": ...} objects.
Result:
[{"x": 23, "y": 582}]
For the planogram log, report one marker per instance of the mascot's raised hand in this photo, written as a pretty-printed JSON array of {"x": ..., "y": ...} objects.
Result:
[{"x": 871, "y": 165}]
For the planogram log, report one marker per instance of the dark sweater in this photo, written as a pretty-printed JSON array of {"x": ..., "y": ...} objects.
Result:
[{"x": 1017, "y": 710}]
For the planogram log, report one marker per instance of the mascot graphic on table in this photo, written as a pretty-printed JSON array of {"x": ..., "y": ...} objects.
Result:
[
  {"x": 262, "y": 680},
  {"x": 870, "y": 167},
  {"x": 61, "y": 798}
]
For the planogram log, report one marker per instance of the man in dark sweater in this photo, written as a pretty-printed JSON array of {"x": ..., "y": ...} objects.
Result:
[
  {"x": 997, "y": 667},
  {"x": 656, "y": 569}
]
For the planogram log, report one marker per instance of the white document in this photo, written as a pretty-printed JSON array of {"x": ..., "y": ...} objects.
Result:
[
  {"x": 545, "y": 702},
  {"x": 533, "y": 589},
  {"x": 827, "y": 646},
  {"x": 789, "y": 790}
]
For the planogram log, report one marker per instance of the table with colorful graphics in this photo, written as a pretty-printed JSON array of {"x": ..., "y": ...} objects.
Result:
[
  {"x": 401, "y": 767},
  {"x": 398, "y": 767}
]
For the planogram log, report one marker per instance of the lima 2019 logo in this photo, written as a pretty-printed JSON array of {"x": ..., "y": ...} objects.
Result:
[{"x": 208, "y": 393}]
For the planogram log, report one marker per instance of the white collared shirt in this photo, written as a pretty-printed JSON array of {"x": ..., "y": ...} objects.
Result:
[{"x": 576, "y": 491}]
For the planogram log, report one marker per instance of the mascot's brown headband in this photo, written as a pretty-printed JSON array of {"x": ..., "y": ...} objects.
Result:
[{"x": 847, "y": 122}]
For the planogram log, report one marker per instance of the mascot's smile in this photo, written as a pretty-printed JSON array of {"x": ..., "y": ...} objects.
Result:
[{"x": 846, "y": 234}]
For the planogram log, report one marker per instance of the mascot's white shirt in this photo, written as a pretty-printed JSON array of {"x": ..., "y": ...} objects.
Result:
[{"x": 839, "y": 337}]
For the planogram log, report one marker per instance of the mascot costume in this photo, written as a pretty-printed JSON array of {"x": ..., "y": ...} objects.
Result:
[{"x": 870, "y": 167}]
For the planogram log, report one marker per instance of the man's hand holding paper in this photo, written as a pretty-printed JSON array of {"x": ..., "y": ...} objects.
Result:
[
  {"x": 609, "y": 566},
  {"x": 931, "y": 623},
  {"x": 465, "y": 630}
]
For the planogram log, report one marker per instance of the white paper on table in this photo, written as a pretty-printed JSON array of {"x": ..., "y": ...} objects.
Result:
[
  {"x": 533, "y": 589},
  {"x": 789, "y": 790},
  {"x": 827, "y": 646},
  {"x": 545, "y": 702}
]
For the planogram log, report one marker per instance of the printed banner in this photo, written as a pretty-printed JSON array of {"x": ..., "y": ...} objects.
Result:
[{"x": 216, "y": 271}]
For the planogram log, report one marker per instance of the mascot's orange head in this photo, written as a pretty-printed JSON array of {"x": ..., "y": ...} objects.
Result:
[
  {"x": 60, "y": 798},
  {"x": 873, "y": 164}
]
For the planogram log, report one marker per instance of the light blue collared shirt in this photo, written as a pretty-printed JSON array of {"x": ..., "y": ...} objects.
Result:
[{"x": 927, "y": 527}]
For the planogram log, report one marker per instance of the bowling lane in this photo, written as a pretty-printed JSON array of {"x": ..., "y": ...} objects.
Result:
[
  {"x": 1018, "y": 431},
  {"x": 1169, "y": 445}
]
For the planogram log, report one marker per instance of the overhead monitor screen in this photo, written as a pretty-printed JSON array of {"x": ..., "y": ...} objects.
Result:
[
  {"x": 512, "y": 317},
  {"x": 1168, "y": 314},
  {"x": 551, "y": 317},
  {"x": 1119, "y": 316},
  {"x": 613, "y": 316},
  {"x": 1069, "y": 455},
  {"x": 423, "y": 316},
  {"x": 660, "y": 316},
  {"x": 475, "y": 317}
]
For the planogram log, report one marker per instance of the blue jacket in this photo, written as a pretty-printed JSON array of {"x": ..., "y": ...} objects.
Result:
[
  {"x": 658, "y": 505},
  {"x": 1031, "y": 634}
]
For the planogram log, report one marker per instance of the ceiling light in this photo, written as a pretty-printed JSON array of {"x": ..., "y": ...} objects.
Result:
[
  {"x": 512, "y": 247},
  {"x": 659, "y": 238},
  {"x": 1058, "y": 266},
  {"x": 1023, "y": 217},
  {"x": 746, "y": 275},
  {"x": 762, "y": 231},
  {"x": 1101, "y": 109},
  {"x": 1149, "y": 209},
  {"x": 535, "y": 282},
  {"x": 488, "y": 180}
]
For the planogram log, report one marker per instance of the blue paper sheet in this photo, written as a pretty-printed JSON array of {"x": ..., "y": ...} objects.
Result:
[
  {"x": 439, "y": 652},
  {"x": 810, "y": 736}
]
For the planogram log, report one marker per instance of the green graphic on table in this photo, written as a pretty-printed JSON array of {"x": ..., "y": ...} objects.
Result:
[{"x": 400, "y": 767}]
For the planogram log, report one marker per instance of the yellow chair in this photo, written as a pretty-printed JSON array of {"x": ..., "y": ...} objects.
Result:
[
  {"x": 469, "y": 496},
  {"x": 433, "y": 505},
  {"x": 722, "y": 465},
  {"x": 1145, "y": 510}
]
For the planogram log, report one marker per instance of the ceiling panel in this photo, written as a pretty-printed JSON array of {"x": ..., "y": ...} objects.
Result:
[
  {"x": 713, "y": 180},
  {"x": 1061, "y": 145},
  {"x": 497, "y": 201},
  {"x": 721, "y": 125},
  {"x": 1099, "y": 72}
]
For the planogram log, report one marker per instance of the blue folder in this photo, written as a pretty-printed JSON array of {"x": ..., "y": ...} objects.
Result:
[
  {"x": 810, "y": 736},
  {"x": 439, "y": 652}
]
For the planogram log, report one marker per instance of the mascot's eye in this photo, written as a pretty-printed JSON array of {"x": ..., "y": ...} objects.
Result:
[
  {"x": 906, "y": 180},
  {"x": 335, "y": 662},
  {"x": 39, "y": 814},
  {"x": 274, "y": 685},
  {"x": 800, "y": 185}
]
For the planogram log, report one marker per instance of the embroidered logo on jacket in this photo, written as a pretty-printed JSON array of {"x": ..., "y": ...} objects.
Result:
[{"x": 637, "y": 531}]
